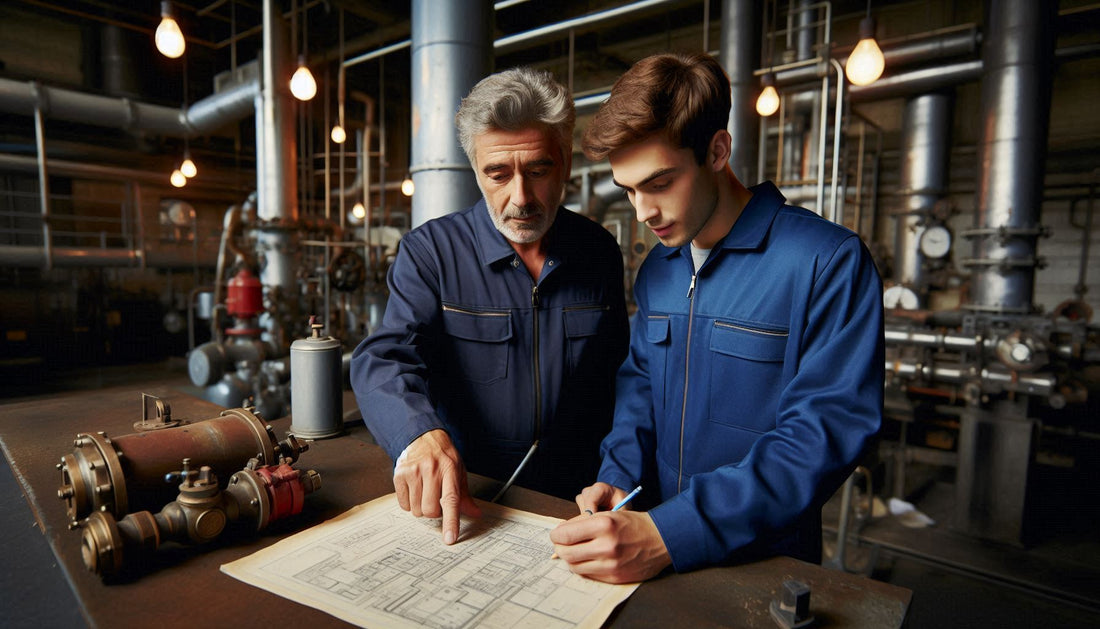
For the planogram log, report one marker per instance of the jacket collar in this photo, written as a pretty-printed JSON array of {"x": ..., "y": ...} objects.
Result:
[
  {"x": 751, "y": 228},
  {"x": 494, "y": 247}
]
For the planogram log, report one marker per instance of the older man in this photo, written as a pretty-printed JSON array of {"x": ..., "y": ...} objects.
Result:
[{"x": 506, "y": 321}]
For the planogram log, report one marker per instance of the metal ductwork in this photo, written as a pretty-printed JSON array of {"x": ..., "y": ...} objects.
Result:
[
  {"x": 926, "y": 130},
  {"x": 451, "y": 52},
  {"x": 1016, "y": 95},
  {"x": 204, "y": 116}
]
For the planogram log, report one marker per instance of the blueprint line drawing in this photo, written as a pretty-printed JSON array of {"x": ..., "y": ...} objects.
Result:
[{"x": 378, "y": 566}]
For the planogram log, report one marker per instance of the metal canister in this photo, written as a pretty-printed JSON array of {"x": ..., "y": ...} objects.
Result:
[{"x": 316, "y": 383}]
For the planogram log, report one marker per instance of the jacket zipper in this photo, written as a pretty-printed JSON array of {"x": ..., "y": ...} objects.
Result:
[
  {"x": 687, "y": 361},
  {"x": 535, "y": 354},
  {"x": 731, "y": 326}
]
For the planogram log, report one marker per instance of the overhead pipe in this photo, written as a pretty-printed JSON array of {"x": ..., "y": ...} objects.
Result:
[
  {"x": 451, "y": 52},
  {"x": 203, "y": 116},
  {"x": 589, "y": 22},
  {"x": 209, "y": 186},
  {"x": 160, "y": 257},
  {"x": 918, "y": 81},
  {"x": 921, "y": 49}
]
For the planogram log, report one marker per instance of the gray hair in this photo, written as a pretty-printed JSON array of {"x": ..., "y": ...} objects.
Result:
[{"x": 516, "y": 99}]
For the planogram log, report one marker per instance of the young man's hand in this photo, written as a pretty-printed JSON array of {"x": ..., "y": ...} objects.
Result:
[
  {"x": 430, "y": 481},
  {"x": 616, "y": 547}
]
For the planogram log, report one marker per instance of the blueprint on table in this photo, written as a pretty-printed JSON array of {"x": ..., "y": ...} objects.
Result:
[{"x": 379, "y": 566}]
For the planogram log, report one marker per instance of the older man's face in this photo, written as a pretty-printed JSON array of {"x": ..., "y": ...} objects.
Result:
[{"x": 522, "y": 175}]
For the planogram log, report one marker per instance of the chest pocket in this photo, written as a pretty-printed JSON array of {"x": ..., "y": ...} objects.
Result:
[
  {"x": 657, "y": 332},
  {"x": 746, "y": 374},
  {"x": 582, "y": 326},
  {"x": 479, "y": 340}
]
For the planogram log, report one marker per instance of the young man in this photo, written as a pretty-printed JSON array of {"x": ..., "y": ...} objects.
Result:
[
  {"x": 755, "y": 374},
  {"x": 505, "y": 323}
]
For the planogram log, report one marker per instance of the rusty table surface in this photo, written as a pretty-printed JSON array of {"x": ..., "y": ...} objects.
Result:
[{"x": 183, "y": 586}]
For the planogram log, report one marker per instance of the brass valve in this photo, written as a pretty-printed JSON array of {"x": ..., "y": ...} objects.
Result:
[{"x": 259, "y": 494}]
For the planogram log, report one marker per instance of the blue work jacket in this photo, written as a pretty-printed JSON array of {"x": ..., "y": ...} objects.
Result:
[
  {"x": 751, "y": 387},
  {"x": 470, "y": 343}
]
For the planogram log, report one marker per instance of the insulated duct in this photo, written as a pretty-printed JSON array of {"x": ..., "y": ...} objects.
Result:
[
  {"x": 1016, "y": 95},
  {"x": 451, "y": 52}
]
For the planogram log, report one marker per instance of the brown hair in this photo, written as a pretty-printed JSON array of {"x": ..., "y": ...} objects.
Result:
[{"x": 687, "y": 97}]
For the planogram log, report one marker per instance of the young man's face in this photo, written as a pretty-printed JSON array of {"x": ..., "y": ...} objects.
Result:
[
  {"x": 522, "y": 177},
  {"x": 671, "y": 193}
]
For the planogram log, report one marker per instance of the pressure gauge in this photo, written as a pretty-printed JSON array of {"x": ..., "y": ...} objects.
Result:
[
  {"x": 899, "y": 296},
  {"x": 935, "y": 241}
]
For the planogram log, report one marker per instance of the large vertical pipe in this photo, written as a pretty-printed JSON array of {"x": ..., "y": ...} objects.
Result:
[
  {"x": 119, "y": 77},
  {"x": 739, "y": 53},
  {"x": 926, "y": 131},
  {"x": 1016, "y": 59},
  {"x": 277, "y": 185},
  {"x": 451, "y": 51}
]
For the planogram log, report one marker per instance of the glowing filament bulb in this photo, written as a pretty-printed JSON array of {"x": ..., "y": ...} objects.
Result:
[
  {"x": 188, "y": 167},
  {"x": 178, "y": 179},
  {"x": 866, "y": 63},
  {"x": 768, "y": 101},
  {"x": 302, "y": 84},
  {"x": 169, "y": 37}
]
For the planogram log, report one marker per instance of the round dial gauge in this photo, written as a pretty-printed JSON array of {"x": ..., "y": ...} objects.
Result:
[
  {"x": 901, "y": 297},
  {"x": 935, "y": 241}
]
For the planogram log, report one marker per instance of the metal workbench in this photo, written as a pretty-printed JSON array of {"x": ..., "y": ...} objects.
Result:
[{"x": 182, "y": 585}]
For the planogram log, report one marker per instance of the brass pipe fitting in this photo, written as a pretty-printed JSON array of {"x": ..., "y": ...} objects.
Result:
[{"x": 257, "y": 494}]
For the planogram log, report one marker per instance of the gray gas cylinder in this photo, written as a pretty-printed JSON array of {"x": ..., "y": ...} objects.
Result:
[{"x": 316, "y": 396}]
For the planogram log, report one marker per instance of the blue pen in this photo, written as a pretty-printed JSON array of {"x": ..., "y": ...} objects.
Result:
[{"x": 622, "y": 503}]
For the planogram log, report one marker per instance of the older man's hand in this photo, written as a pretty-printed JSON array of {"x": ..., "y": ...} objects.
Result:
[{"x": 430, "y": 481}]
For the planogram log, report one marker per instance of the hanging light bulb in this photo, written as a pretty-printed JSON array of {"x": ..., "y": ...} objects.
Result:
[
  {"x": 768, "y": 101},
  {"x": 178, "y": 179},
  {"x": 866, "y": 63},
  {"x": 407, "y": 186},
  {"x": 188, "y": 167},
  {"x": 169, "y": 37},
  {"x": 302, "y": 84},
  {"x": 358, "y": 211},
  {"x": 338, "y": 134}
]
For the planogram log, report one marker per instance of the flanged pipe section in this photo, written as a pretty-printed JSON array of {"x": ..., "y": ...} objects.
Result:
[{"x": 124, "y": 474}]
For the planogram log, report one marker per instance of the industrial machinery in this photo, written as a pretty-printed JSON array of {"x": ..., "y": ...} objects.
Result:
[
  {"x": 118, "y": 475},
  {"x": 258, "y": 495}
]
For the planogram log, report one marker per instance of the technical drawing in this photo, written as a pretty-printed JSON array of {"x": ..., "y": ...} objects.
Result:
[{"x": 379, "y": 566}]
